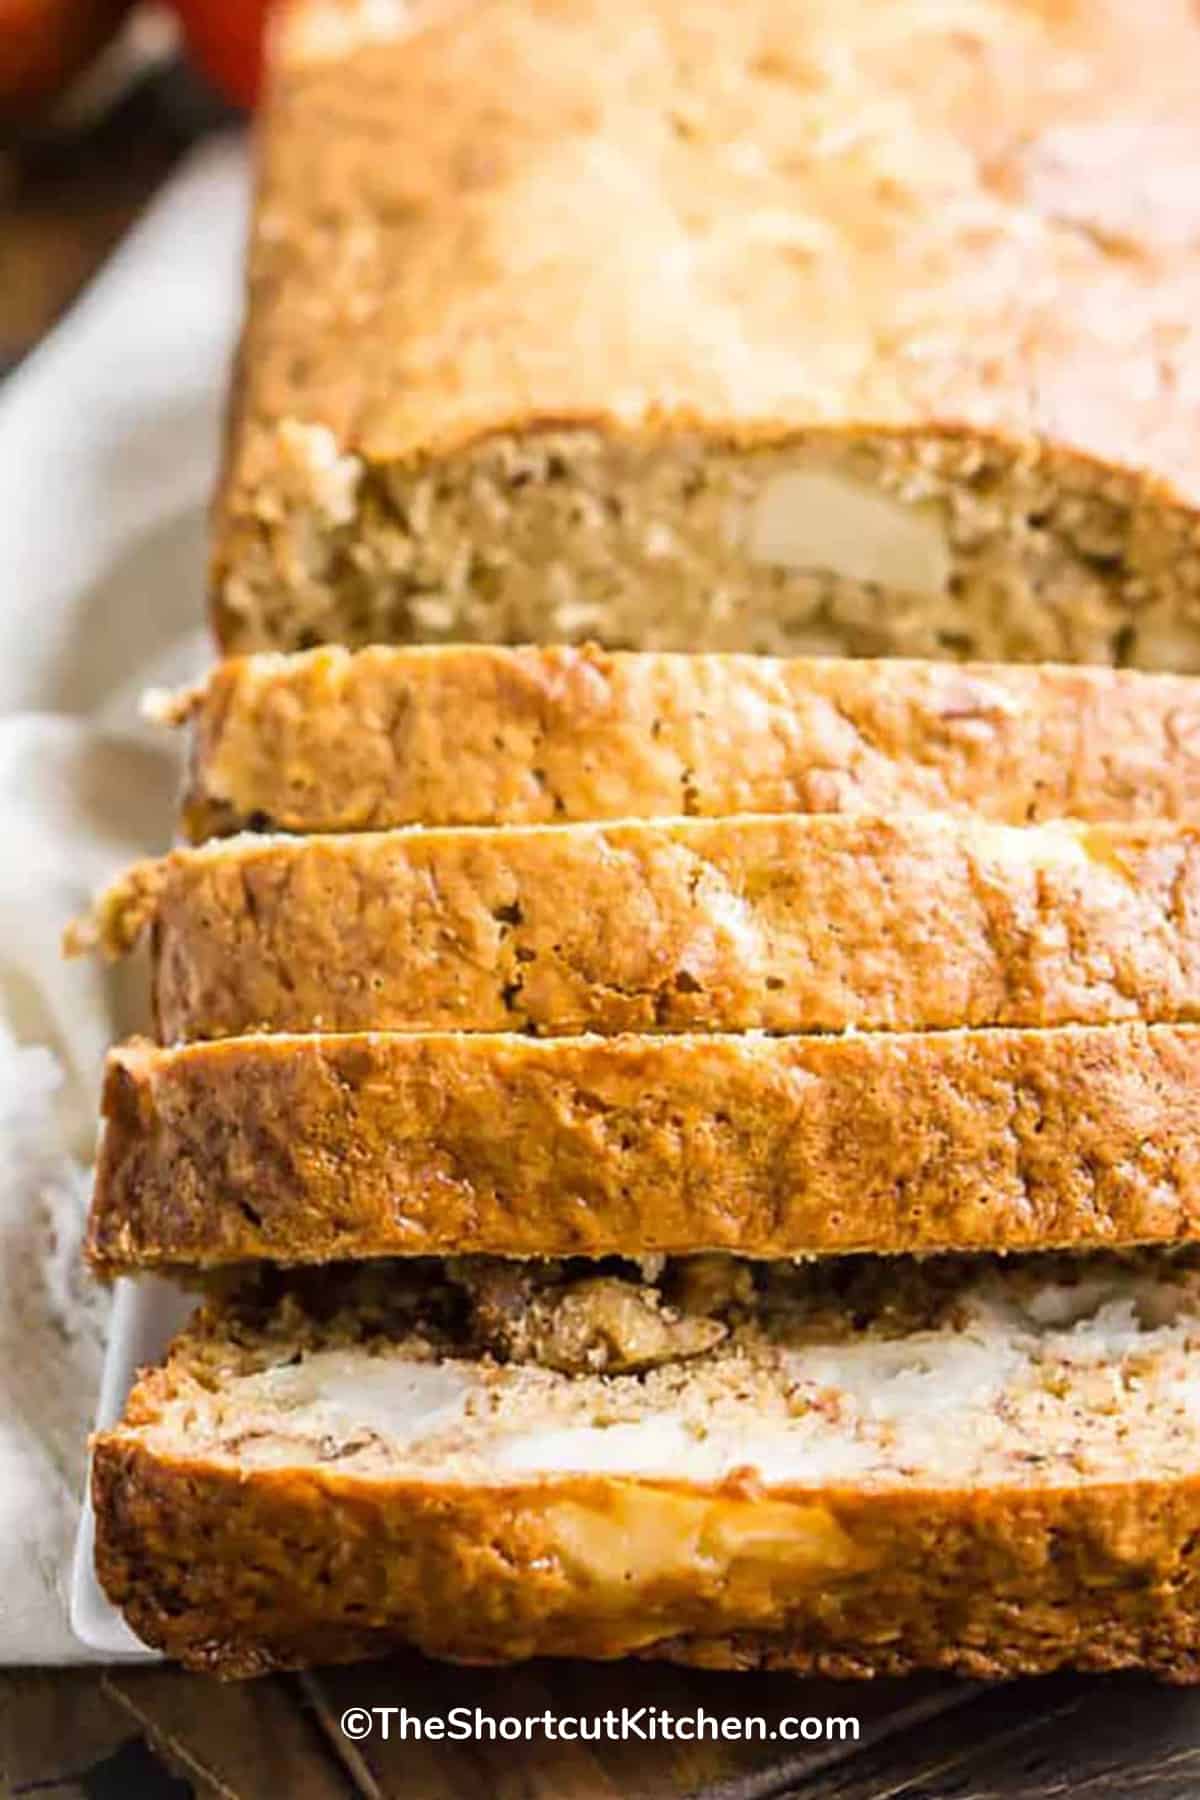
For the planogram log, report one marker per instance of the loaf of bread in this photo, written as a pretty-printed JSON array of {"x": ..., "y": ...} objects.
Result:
[
  {"x": 306, "y": 1484},
  {"x": 807, "y": 328},
  {"x": 308, "y": 1149},
  {"x": 790, "y": 326},
  {"x": 776, "y": 924},
  {"x": 482, "y": 735}
]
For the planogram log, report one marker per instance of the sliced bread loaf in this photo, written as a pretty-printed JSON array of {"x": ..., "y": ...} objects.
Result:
[{"x": 777, "y": 924}]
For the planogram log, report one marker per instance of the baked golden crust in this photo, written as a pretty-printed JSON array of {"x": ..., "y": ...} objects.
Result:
[
  {"x": 775, "y": 924},
  {"x": 452, "y": 338},
  {"x": 476, "y": 735},
  {"x": 307, "y": 1149},
  {"x": 953, "y": 256},
  {"x": 238, "y": 1574}
]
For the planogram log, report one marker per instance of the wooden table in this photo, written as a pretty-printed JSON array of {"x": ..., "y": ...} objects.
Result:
[
  {"x": 67, "y": 198},
  {"x": 158, "y": 1734}
]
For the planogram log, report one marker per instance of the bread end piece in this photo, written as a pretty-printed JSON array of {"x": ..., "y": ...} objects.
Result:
[{"x": 860, "y": 396}]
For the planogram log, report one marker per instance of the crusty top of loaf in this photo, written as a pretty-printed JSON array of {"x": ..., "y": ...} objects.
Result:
[
  {"x": 824, "y": 923},
  {"x": 351, "y": 1145},
  {"x": 753, "y": 218},
  {"x": 480, "y": 734}
]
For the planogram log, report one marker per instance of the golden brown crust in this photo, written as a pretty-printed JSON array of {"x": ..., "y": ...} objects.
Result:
[
  {"x": 783, "y": 925},
  {"x": 473, "y": 735},
  {"x": 993, "y": 264},
  {"x": 997, "y": 186},
  {"x": 311, "y": 1148},
  {"x": 238, "y": 1574}
]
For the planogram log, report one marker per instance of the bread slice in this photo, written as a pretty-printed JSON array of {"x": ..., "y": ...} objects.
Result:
[
  {"x": 990, "y": 1469},
  {"x": 477, "y": 735},
  {"x": 306, "y": 1149},
  {"x": 777, "y": 924},
  {"x": 784, "y": 327}
]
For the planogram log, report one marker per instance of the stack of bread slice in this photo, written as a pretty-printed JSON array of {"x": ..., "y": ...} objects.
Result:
[{"x": 689, "y": 1155}]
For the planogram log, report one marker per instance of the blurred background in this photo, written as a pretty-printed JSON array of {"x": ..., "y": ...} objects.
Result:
[{"x": 99, "y": 99}]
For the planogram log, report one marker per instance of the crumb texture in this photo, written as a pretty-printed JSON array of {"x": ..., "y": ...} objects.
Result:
[{"x": 788, "y": 1494}]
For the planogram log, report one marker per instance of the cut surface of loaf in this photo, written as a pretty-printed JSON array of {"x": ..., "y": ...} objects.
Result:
[
  {"x": 783, "y": 326},
  {"x": 326, "y": 1472},
  {"x": 310, "y": 1148},
  {"x": 331, "y": 740},
  {"x": 779, "y": 924}
]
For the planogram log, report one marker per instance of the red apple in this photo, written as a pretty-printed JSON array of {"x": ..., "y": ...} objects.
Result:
[{"x": 225, "y": 38}]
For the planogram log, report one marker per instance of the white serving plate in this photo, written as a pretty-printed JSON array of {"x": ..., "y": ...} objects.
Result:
[{"x": 146, "y": 1314}]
